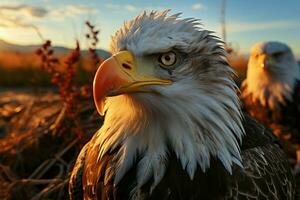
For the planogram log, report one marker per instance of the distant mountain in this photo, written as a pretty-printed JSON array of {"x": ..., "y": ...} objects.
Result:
[{"x": 6, "y": 46}]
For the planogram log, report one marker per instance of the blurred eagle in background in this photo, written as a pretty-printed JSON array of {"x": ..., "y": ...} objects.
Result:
[
  {"x": 271, "y": 91},
  {"x": 173, "y": 126}
]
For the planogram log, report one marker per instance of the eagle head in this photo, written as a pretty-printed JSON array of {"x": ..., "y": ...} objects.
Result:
[
  {"x": 272, "y": 74},
  {"x": 167, "y": 87}
]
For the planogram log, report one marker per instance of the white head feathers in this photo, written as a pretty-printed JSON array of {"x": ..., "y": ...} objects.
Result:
[
  {"x": 273, "y": 84},
  {"x": 197, "y": 117}
]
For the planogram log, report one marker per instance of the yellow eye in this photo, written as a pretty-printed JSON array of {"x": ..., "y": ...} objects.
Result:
[{"x": 167, "y": 59}]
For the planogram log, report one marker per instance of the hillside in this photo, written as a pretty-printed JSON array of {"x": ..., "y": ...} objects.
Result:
[{"x": 9, "y": 47}]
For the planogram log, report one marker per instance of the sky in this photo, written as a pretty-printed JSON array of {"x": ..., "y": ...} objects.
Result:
[{"x": 247, "y": 21}]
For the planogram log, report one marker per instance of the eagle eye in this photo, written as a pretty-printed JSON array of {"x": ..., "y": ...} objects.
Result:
[
  {"x": 277, "y": 54},
  {"x": 167, "y": 59}
]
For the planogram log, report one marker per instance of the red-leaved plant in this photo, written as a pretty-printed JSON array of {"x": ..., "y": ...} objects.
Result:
[{"x": 62, "y": 75}]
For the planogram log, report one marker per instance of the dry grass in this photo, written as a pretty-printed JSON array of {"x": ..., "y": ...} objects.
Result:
[
  {"x": 16, "y": 60},
  {"x": 23, "y": 69},
  {"x": 43, "y": 133},
  {"x": 38, "y": 150}
]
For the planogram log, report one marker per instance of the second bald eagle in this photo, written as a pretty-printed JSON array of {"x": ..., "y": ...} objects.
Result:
[{"x": 271, "y": 91}]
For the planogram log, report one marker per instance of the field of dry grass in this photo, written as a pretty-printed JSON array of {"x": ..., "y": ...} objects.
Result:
[
  {"x": 17, "y": 60},
  {"x": 42, "y": 131},
  {"x": 23, "y": 69},
  {"x": 38, "y": 151}
]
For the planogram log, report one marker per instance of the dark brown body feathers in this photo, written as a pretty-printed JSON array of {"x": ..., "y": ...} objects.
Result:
[{"x": 266, "y": 174}]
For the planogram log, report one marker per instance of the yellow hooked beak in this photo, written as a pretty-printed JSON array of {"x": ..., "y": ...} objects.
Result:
[{"x": 118, "y": 75}]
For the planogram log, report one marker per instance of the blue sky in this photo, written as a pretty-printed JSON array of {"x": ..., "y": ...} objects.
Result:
[{"x": 63, "y": 20}]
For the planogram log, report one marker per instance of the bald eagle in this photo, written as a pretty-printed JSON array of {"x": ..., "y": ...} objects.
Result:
[
  {"x": 271, "y": 91},
  {"x": 173, "y": 126}
]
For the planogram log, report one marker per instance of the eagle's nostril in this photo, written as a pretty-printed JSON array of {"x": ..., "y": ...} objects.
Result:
[{"x": 126, "y": 66}]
